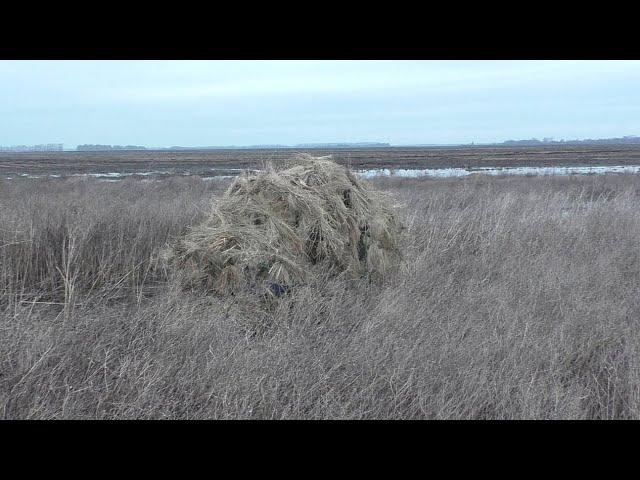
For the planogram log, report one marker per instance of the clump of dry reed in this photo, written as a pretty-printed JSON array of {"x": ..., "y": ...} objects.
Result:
[{"x": 271, "y": 229}]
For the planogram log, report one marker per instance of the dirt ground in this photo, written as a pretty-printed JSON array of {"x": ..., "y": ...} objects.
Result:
[{"x": 223, "y": 162}]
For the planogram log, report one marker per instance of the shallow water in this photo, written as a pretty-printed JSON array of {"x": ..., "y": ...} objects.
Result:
[
  {"x": 227, "y": 173},
  {"x": 216, "y": 174},
  {"x": 463, "y": 172}
]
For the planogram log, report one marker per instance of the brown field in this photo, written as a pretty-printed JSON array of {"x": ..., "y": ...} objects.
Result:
[
  {"x": 517, "y": 298},
  {"x": 202, "y": 162}
]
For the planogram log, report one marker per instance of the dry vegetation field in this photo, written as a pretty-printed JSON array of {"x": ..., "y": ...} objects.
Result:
[{"x": 517, "y": 298}]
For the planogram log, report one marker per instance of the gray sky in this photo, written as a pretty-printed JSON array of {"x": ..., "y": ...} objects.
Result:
[{"x": 201, "y": 103}]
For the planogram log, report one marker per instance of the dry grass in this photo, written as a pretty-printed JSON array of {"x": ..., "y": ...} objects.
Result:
[{"x": 520, "y": 299}]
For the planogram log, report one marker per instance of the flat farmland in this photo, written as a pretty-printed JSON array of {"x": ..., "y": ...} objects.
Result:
[{"x": 221, "y": 162}]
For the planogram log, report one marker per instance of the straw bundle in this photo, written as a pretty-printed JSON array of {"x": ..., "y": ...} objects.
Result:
[{"x": 272, "y": 229}]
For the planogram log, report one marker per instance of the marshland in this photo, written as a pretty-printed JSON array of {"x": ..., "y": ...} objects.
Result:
[
  {"x": 221, "y": 162},
  {"x": 517, "y": 297}
]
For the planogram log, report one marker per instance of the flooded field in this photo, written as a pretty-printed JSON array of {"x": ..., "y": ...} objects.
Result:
[
  {"x": 225, "y": 174},
  {"x": 463, "y": 172},
  {"x": 394, "y": 161},
  {"x": 213, "y": 174}
]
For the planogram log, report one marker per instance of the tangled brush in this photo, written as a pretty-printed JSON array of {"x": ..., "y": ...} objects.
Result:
[{"x": 273, "y": 228}]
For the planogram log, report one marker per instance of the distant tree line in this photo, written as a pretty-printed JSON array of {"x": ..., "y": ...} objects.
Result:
[
  {"x": 629, "y": 139},
  {"x": 299, "y": 145},
  {"x": 48, "y": 147},
  {"x": 94, "y": 148},
  {"x": 343, "y": 145}
]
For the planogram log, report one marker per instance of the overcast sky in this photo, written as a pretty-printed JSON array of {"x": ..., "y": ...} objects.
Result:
[{"x": 204, "y": 103}]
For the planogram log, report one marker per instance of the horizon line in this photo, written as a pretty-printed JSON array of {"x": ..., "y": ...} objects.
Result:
[{"x": 311, "y": 145}]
